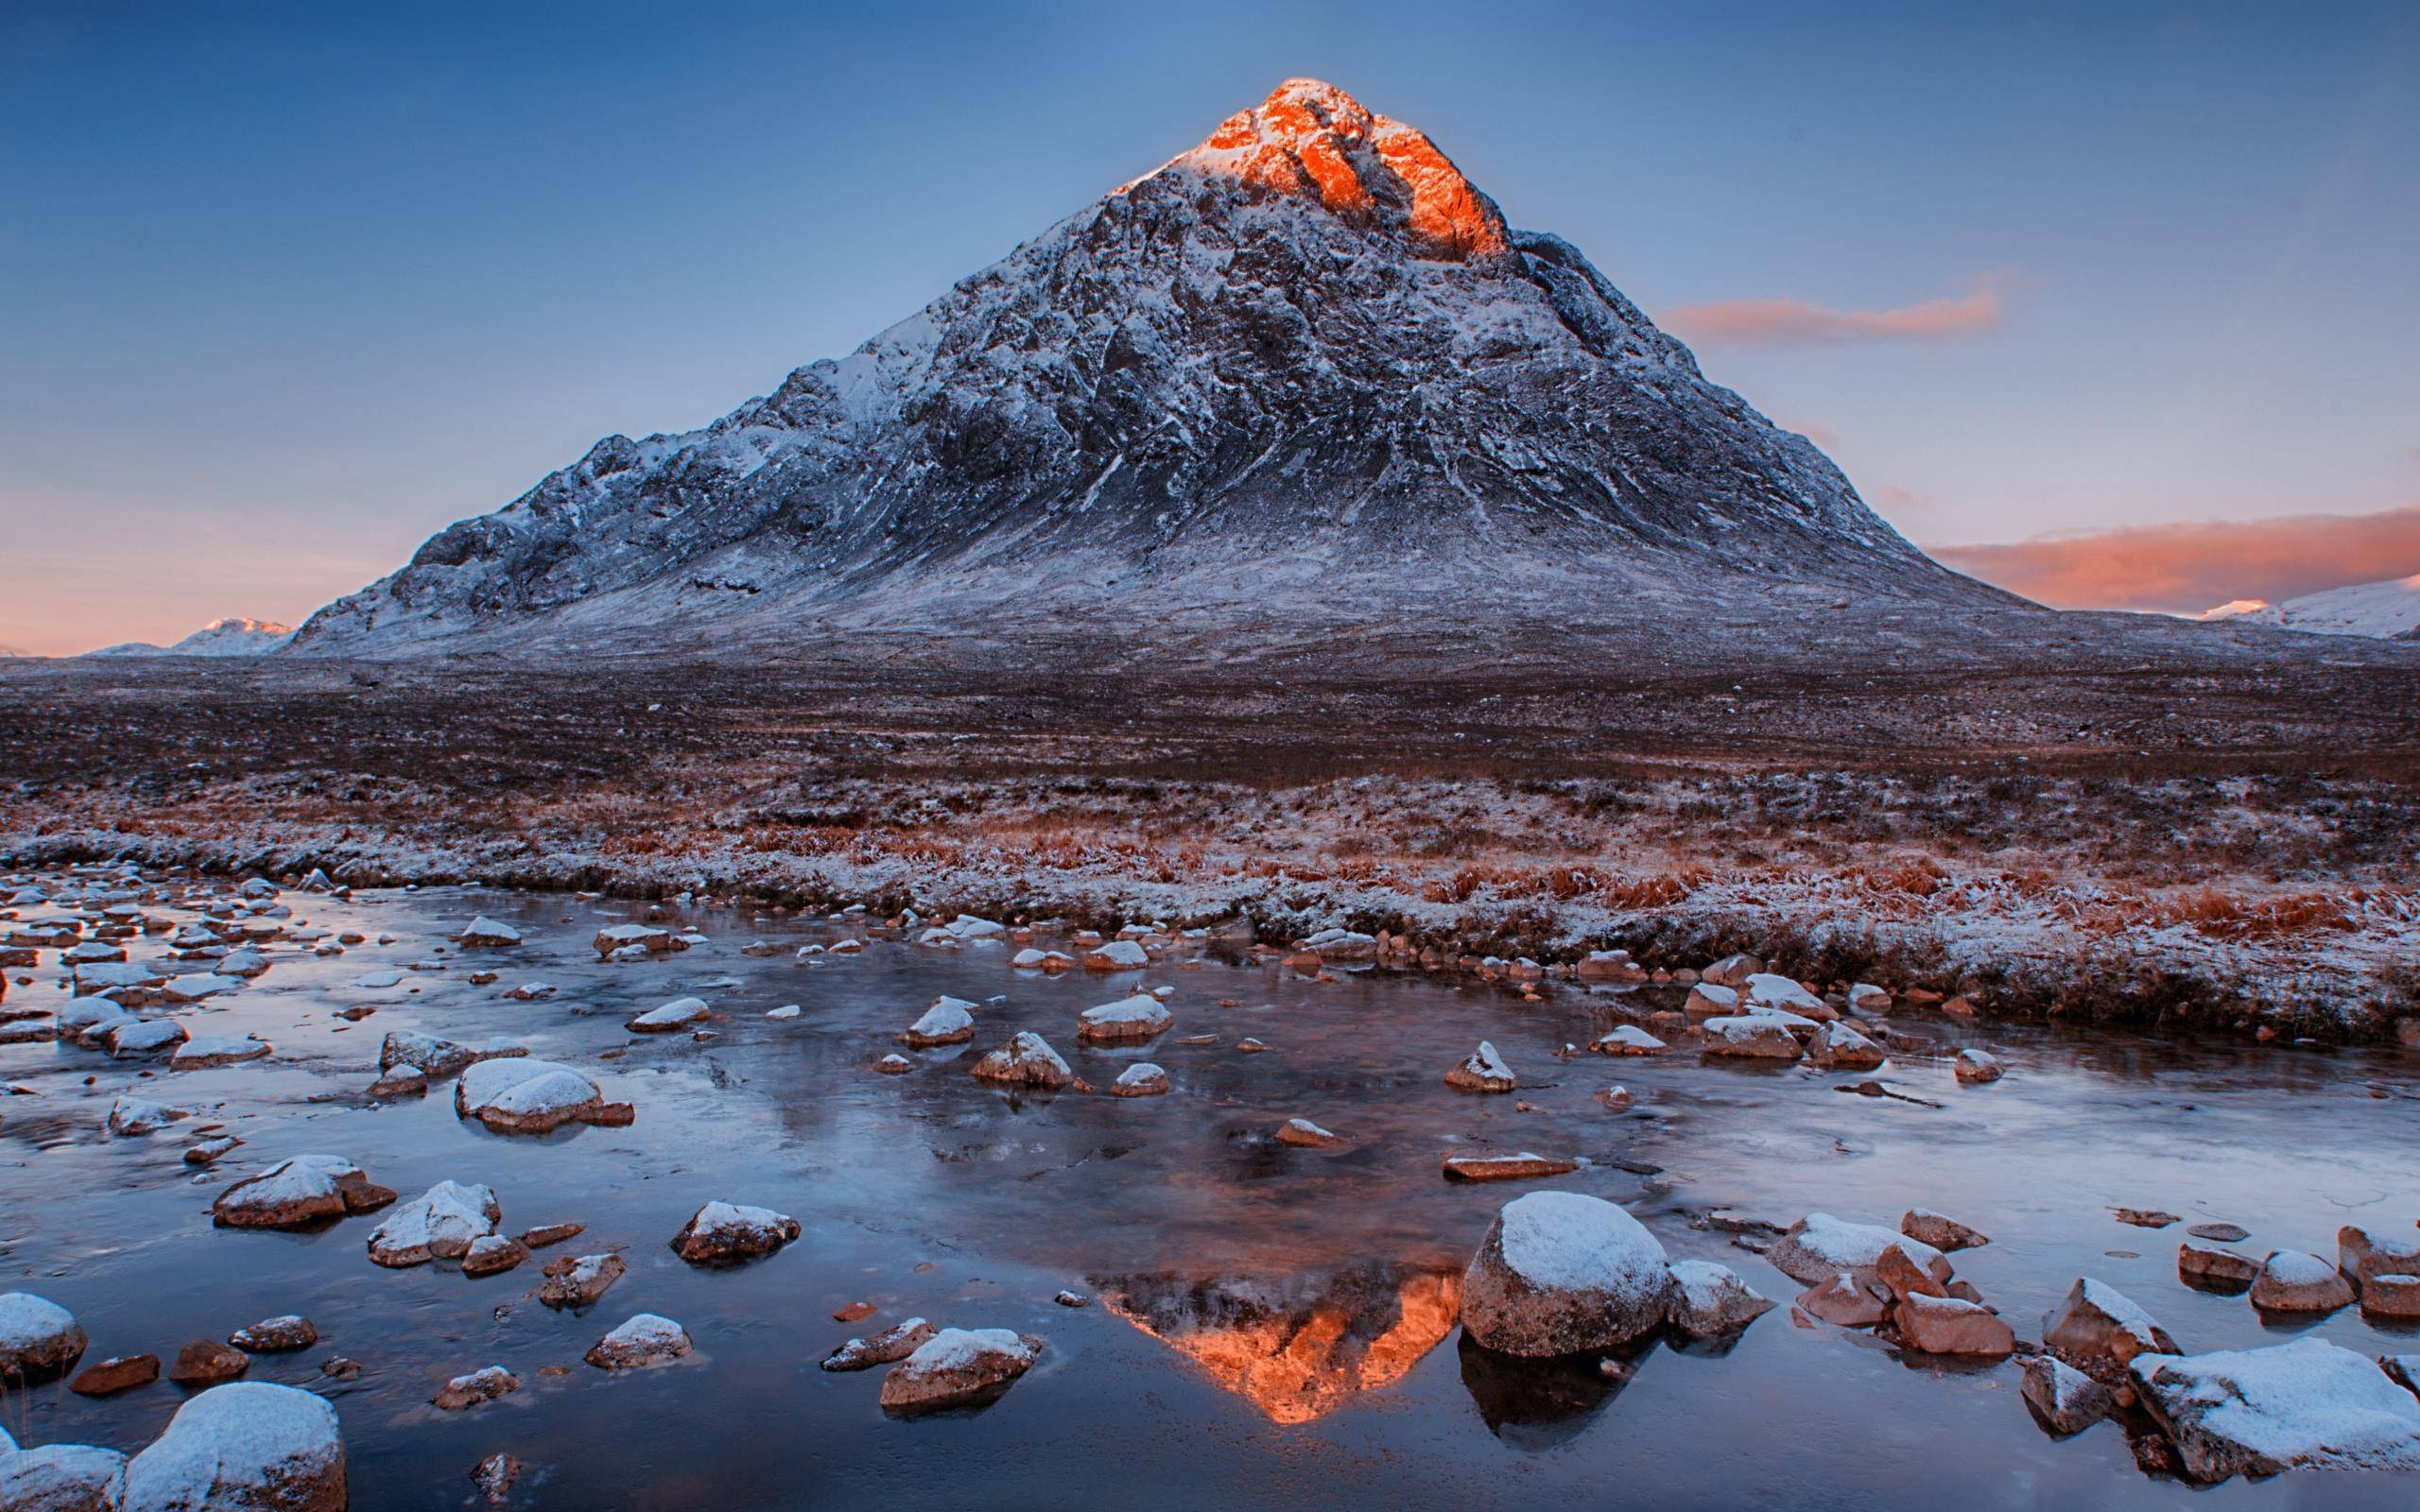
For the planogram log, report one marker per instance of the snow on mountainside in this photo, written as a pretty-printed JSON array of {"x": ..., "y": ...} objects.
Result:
[
  {"x": 2385, "y": 611},
  {"x": 1303, "y": 370},
  {"x": 232, "y": 636}
]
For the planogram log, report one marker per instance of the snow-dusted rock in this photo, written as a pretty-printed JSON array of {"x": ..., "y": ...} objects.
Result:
[
  {"x": 484, "y": 931},
  {"x": 439, "y": 1223},
  {"x": 1950, "y": 1325},
  {"x": 484, "y": 1384},
  {"x": 299, "y": 1192},
  {"x": 248, "y": 1446},
  {"x": 644, "y": 1339},
  {"x": 129, "y": 1115},
  {"x": 1835, "y": 1046},
  {"x": 2308, "y": 1405},
  {"x": 1482, "y": 1071},
  {"x": 1303, "y": 1132},
  {"x": 1820, "y": 1247},
  {"x": 949, "y": 1021},
  {"x": 1767, "y": 990},
  {"x": 1123, "y": 1022},
  {"x": 438, "y": 1057},
  {"x": 578, "y": 1281},
  {"x": 1845, "y": 1301},
  {"x": 2212, "y": 1267},
  {"x": 399, "y": 1081},
  {"x": 38, "y": 1337},
  {"x": 1940, "y": 1230},
  {"x": 1523, "y": 1166},
  {"x": 1707, "y": 999},
  {"x": 492, "y": 1254},
  {"x": 2364, "y": 1252},
  {"x": 893, "y": 1343},
  {"x": 1750, "y": 1037},
  {"x": 1868, "y": 1000},
  {"x": 1974, "y": 1067},
  {"x": 681, "y": 1013},
  {"x": 2066, "y": 1400},
  {"x": 62, "y": 1478},
  {"x": 1732, "y": 971},
  {"x": 725, "y": 1233},
  {"x": 133, "y": 984},
  {"x": 958, "y": 1367},
  {"x": 1627, "y": 1040},
  {"x": 523, "y": 1096},
  {"x": 1710, "y": 1300},
  {"x": 282, "y": 1334},
  {"x": 1609, "y": 966},
  {"x": 1560, "y": 1272},
  {"x": 246, "y": 963},
  {"x": 645, "y": 938},
  {"x": 2292, "y": 1281},
  {"x": 2100, "y": 1330},
  {"x": 196, "y": 987},
  {"x": 1027, "y": 1061},
  {"x": 1141, "y": 1080},
  {"x": 202, "y": 1051},
  {"x": 1117, "y": 955},
  {"x": 1340, "y": 945},
  {"x": 145, "y": 1037},
  {"x": 1033, "y": 960}
]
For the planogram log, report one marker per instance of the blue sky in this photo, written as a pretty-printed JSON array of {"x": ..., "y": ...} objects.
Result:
[{"x": 283, "y": 289}]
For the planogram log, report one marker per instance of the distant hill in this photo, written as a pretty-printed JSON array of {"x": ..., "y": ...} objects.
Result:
[
  {"x": 232, "y": 636},
  {"x": 2386, "y": 610}
]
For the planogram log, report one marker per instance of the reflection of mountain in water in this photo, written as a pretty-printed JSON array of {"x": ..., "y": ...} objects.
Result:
[{"x": 1296, "y": 1347}]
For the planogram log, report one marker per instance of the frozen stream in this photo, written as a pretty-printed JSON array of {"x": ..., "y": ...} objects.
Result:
[{"x": 1272, "y": 1325}]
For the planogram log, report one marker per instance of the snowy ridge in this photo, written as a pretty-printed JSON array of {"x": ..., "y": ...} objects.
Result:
[
  {"x": 2384, "y": 610},
  {"x": 1303, "y": 370},
  {"x": 232, "y": 636}
]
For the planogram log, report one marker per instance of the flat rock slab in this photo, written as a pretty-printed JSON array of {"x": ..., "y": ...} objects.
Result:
[
  {"x": 2308, "y": 1404},
  {"x": 1522, "y": 1167}
]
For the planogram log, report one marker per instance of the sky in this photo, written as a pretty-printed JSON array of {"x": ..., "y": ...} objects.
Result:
[{"x": 284, "y": 289}]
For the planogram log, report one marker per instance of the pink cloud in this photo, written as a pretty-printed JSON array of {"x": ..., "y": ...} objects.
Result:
[
  {"x": 1795, "y": 322},
  {"x": 2196, "y": 565},
  {"x": 1821, "y": 435}
]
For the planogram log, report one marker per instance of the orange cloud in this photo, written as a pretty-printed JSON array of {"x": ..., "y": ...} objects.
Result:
[
  {"x": 1795, "y": 322},
  {"x": 2195, "y": 565}
]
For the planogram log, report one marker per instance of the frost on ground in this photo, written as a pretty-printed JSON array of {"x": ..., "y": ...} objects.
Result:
[{"x": 2221, "y": 843}]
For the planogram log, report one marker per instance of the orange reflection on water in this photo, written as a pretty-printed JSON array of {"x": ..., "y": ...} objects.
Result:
[{"x": 1297, "y": 1348}]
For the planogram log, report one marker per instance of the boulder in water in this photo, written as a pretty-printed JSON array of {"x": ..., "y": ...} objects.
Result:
[
  {"x": 1560, "y": 1272},
  {"x": 958, "y": 1367},
  {"x": 249, "y": 1445}
]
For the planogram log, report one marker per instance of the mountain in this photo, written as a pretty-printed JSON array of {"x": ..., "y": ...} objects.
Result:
[
  {"x": 1304, "y": 373},
  {"x": 232, "y": 636},
  {"x": 2383, "y": 610}
]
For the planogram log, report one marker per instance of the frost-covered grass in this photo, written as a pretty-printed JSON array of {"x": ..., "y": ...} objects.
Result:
[{"x": 2232, "y": 901}]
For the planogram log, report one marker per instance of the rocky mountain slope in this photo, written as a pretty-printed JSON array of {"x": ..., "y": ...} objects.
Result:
[
  {"x": 2384, "y": 610},
  {"x": 232, "y": 636},
  {"x": 1301, "y": 373}
]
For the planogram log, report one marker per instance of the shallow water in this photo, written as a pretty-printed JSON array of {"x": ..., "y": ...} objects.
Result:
[{"x": 1273, "y": 1324}]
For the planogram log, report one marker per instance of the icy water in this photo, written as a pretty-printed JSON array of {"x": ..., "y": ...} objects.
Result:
[{"x": 1271, "y": 1326}]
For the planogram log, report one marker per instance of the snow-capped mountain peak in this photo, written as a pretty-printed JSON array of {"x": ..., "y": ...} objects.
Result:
[
  {"x": 1301, "y": 373},
  {"x": 1312, "y": 140}
]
